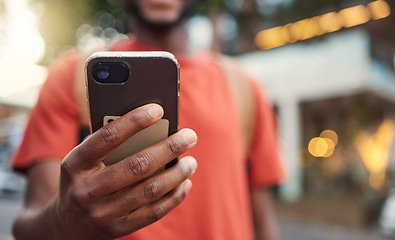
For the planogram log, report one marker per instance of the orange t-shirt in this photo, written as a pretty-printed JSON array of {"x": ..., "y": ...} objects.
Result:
[{"x": 218, "y": 205}]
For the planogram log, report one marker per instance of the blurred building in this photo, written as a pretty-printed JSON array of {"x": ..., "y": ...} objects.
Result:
[{"x": 334, "y": 93}]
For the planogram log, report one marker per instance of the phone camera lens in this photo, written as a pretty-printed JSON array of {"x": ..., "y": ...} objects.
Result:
[
  {"x": 103, "y": 73},
  {"x": 111, "y": 72}
]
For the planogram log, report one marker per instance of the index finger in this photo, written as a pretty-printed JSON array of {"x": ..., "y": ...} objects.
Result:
[{"x": 100, "y": 144}]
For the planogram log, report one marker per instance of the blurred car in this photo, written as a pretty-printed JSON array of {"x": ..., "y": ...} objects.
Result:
[{"x": 387, "y": 216}]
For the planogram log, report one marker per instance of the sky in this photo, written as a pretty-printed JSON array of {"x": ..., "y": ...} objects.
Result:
[{"x": 21, "y": 47}]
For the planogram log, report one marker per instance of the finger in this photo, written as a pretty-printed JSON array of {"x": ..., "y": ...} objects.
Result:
[
  {"x": 96, "y": 147},
  {"x": 144, "y": 163},
  {"x": 151, "y": 213},
  {"x": 151, "y": 189}
]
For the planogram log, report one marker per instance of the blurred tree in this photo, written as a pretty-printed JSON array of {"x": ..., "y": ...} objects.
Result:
[{"x": 61, "y": 19}]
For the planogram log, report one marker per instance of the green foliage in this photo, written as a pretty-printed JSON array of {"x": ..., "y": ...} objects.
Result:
[
  {"x": 211, "y": 5},
  {"x": 301, "y": 9},
  {"x": 61, "y": 19}
]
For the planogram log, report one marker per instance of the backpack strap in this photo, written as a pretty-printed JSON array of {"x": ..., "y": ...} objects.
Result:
[{"x": 241, "y": 91}]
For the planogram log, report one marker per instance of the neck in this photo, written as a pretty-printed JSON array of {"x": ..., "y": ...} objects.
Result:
[{"x": 174, "y": 40}]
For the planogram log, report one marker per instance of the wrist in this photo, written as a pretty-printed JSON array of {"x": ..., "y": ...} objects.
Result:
[
  {"x": 53, "y": 219},
  {"x": 62, "y": 225},
  {"x": 33, "y": 224}
]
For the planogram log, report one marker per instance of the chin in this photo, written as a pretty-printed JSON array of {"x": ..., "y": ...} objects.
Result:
[{"x": 161, "y": 19}]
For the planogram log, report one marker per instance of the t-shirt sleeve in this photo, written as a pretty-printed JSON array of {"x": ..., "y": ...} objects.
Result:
[
  {"x": 265, "y": 165},
  {"x": 53, "y": 126}
]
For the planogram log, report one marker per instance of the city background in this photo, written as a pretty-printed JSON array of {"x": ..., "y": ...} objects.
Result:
[{"x": 328, "y": 67}]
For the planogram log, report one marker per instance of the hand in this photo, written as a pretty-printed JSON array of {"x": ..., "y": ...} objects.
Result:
[{"x": 105, "y": 202}]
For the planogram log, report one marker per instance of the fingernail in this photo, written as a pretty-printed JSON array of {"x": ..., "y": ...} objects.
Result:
[
  {"x": 192, "y": 164},
  {"x": 155, "y": 111},
  {"x": 189, "y": 136},
  {"x": 187, "y": 186}
]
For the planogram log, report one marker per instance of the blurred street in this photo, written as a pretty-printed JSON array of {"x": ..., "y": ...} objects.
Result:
[
  {"x": 9, "y": 209},
  {"x": 327, "y": 67},
  {"x": 291, "y": 228},
  {"x": 299, "y": 229}
]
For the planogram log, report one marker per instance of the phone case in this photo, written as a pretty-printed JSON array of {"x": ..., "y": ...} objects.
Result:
[{"x": 151, "y": 77}]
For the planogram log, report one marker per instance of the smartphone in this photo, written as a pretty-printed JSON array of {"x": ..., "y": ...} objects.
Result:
[{"x": 118, "y": 82}]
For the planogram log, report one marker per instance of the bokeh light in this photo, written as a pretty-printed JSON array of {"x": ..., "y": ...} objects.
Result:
[
  {"x": 374, "y": 151},
  {"x": 331, "y": 135},
  {"x": 379, "y": 9},
  {"x": 324, "y": 145},
  {"x": 326, "y": 23}
]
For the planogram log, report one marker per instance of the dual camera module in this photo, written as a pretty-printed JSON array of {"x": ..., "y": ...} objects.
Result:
[{"x": 111, "y": 72}]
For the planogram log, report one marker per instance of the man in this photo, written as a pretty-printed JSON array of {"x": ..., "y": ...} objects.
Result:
[{"x": 229, "y": 199}]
